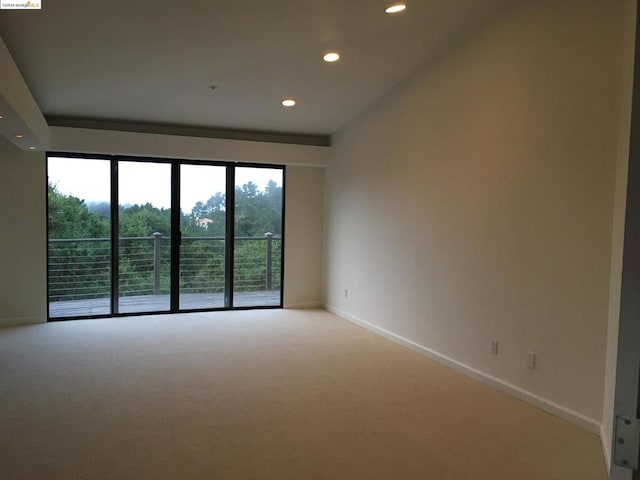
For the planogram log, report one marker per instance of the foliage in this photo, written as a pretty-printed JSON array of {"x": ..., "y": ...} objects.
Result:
[
  {"x": 258, "y": 212},
  {"x": 144, "y": 221},
  {"x": 81, "y": 269},
  {"x": 69, "y": 217}
]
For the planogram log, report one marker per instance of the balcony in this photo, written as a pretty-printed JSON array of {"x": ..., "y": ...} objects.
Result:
[{"x": 80, "y": 274}]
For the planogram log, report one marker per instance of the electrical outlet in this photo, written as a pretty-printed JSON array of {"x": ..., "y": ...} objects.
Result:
[
  {"x": 531, "y": 360},
  {"x": 494, "y": 346},
  {"x": 346, "y": 293}
]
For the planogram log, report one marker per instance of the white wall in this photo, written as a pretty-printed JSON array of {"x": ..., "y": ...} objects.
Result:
[
  {"x": 85, "y": 140},
  {"x": 20, "y": 112},
  {"x": 475, "y": 201},
  {"x": 304, "y": 238},
  {"x": 22, "y": 240}
]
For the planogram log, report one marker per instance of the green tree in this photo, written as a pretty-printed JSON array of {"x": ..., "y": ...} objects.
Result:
[
  {"x": 82, "y": 269},
  {"x": 258, "y": 212},
  {"x": 77, "y": 269},
  {"x": 144, "y": 221},
  {"x": 69, "y": 217}
]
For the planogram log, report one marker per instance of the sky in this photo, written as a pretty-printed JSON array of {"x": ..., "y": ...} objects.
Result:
[{"x": 142, "y": 182}]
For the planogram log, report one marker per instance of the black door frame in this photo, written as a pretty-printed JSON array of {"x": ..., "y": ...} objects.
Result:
[{"x": 175, "y": 232}]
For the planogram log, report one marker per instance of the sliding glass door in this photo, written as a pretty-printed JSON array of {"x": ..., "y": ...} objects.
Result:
[
  {"x": 144, "y": 242},
  {"x": 79, "y": 237},
  {"x": 130, "y": 236},
  {"x": 258, "y": 236},
  {"x": 203, "y": 236}
]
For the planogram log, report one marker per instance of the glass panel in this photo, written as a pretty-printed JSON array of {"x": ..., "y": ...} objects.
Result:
[
  {"x": 79, "y": 192},
  {"x": 145, "y": 243},
  {"x": 258, "y": 237},
  {"x": 202, "y": 222}
]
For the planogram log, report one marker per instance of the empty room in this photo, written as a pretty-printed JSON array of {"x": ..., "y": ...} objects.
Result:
[{"x": 319, "y": 240}]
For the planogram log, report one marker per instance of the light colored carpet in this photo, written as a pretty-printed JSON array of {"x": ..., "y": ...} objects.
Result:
[{"x": 261, "y": 395}]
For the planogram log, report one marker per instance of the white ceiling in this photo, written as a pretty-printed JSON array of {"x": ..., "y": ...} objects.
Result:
[{"x": 154, "y": 61}]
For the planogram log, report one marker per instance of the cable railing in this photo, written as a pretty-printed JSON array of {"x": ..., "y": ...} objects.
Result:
[
  {"x": 251, "y": 274},
  {"x": 144, "y": 265},
  {"x": 80, "y": 269},
  {"x": 202, "y": 261}
]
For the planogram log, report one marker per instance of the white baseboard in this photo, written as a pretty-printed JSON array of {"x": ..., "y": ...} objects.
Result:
[
  {"x": 305, "y": 306},
  {"x": 605, "y": 450},
  {"x": 549, "y": 406},
  {"x": 15, "y": 321}
]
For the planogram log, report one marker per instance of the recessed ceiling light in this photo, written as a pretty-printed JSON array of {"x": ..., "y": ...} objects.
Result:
[
  {"x": 396, "y": 7},
  {"x": 331, "y": 57},
  {"x": 288, "y": 102},
  {"x": 19, "y": 135},
  {"x": 32, "y": 148},
  {"x": 0, "y": 116}
]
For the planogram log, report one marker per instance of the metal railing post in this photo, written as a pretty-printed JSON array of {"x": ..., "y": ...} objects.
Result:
[
  {"x": 269, "y": 236},
  {"x": 157, "y": 238}
]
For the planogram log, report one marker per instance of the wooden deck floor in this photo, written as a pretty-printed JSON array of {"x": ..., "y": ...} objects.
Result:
[{"x": 159, "y": 303}]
